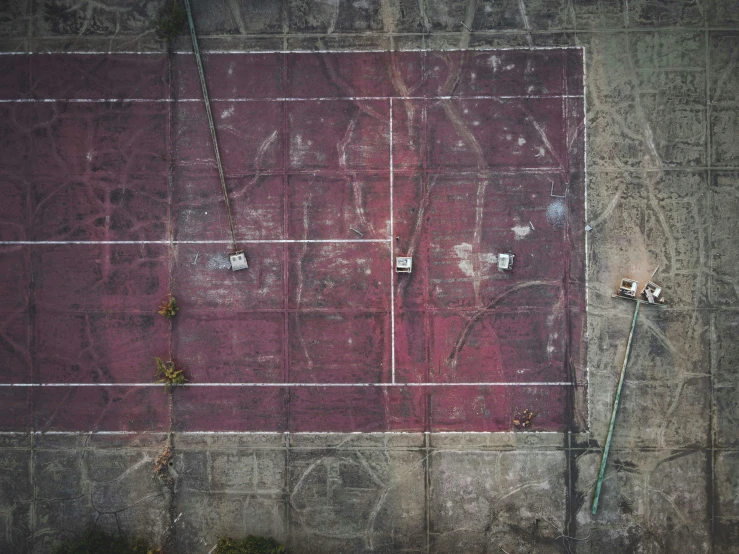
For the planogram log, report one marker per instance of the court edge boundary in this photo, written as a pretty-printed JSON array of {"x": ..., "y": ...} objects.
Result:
[{"x": 297, "y": 51}]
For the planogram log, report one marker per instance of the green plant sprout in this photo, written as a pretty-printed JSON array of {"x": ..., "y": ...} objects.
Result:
[
  {"x": 169, "y": 308},
  {"x": 171, "y": 20},
  {"x": 169, "y": 374}
]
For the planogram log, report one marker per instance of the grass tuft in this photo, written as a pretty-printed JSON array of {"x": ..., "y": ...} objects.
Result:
[
  {"x": 169, "y": 308},
  {"x": 171, "y": 20},
  {"x": 169, "y": 374}
]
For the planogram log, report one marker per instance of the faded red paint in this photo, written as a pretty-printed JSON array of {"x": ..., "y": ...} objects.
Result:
[
  {"x": 202, "y": 279},
  {"x": 332, "y": 205},
  {"x": 230, "y": 409},
  {"x": 98, "y": 77},
  {"x": 343, "y": 347},
  {"x": 364, "y": 409},
  {"x": 198, "y": 214},
  {"x": 229, "y": 75},
  {"x": 16, "y": 410},
  {"x": 494, "y": 408},
  {"x": 95, "y": 278},
  {"x": 100, "y": 409},
  {"x": 242, "y": 347},
  {"x": 83, "y": 347},
  {"x": 471, "y": 178}
]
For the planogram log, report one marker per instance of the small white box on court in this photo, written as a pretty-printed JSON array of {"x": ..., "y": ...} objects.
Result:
[
  {"x": 403, "y": 264},
  {"x": 628, "y": 288},
  {"x": 505, "y": 261},
  {"x": 238, "y": 260}
]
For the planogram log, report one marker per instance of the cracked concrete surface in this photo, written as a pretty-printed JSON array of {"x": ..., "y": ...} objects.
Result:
[{"x": 663, "y": 167}]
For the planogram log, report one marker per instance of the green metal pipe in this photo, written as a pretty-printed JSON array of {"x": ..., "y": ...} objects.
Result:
[
  {"x": 211, "y": 124},
  {"x": 596, "y": 497}
]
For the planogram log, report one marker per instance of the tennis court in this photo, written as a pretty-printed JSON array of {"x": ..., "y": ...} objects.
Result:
[{"x": 336, "y": 163}]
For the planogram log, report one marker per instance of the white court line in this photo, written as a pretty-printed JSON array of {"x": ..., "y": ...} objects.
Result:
[
  {"x": 585, "y": 162},
  {"x": 392, "y": 251},
  {"x": 83, "y": 100},
  {"x": 280, "y": 433},
  {"x": 587, "y": 253},
  {"x": 328, "y": 433},
  {"x": 381, "y": 51},
  {"x": 306, "y": 99},
  {"x": 378, "y": 98},
  {"x": 261, "y": 52},
  {"x": 309, "y": 385},
  {"x": 248, "y": 241}
]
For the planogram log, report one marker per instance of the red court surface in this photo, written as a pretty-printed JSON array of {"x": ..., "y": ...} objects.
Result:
[{"x": 111, "y": 200}]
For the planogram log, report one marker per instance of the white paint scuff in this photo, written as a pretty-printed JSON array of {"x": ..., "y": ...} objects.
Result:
[
  {"x": 464, "y": 253},
  {"x": 521, "y": 231}
]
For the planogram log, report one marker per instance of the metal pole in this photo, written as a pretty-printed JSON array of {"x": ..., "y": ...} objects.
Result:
[
  {"x": 613, "y": 414},
  {"x": 206, "y": 99}
]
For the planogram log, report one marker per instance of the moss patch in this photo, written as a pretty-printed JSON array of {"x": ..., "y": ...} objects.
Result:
[
  {"x": 96, "y": 541},
  {"x": 249, "y": 545}
]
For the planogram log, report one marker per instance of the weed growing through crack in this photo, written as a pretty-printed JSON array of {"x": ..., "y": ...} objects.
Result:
[
  {"x": 169, "y": 308},
  {"x": 525, "y": 419},
  {"x": 162, "y": 461},
  {"x": 171, "y": 20},
  {"x": 169, "y": 374}
]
